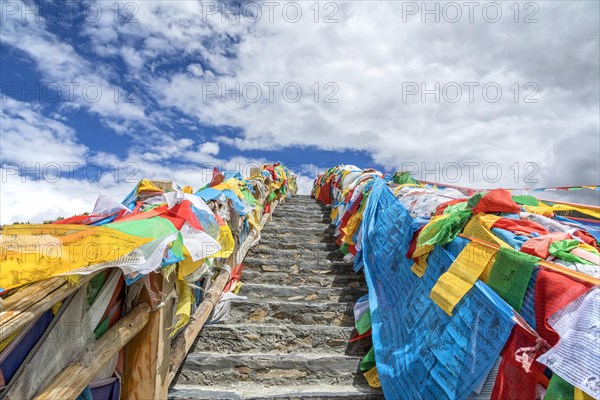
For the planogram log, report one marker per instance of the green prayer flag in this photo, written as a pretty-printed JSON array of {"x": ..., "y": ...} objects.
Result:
[
  {"x": 443, "y": 231},
  {"x": 559, "y": 389},
  {"x": 368, "y": 361},
  {"x": 526, "y": 200},
  {"x": 474, "y": 200},
  {"x": 94, "y": 287},
  {"x": 154, "y": 227},
  {"x": 402, "y": 178},
  {"x": 102, "y": 327},
  {"x": 345, "y": 248},
  {"x": 510, "y": 275},
  {"x": 271, "y": 197},
  {"x": 364, "y": 323},
  {"x": 562, "y": 248}
]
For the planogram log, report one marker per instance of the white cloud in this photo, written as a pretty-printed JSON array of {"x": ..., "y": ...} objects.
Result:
[
  {"x": 372, "y": 57},
  {"x": 209, "y": 148},
  {"x": 28, "y": 138},
  {"x": 77, "y": 81},
  {"x": 25, "y": 199},
  {"x": 195, "y": 69},
  {"x": 304, "y": 183},
  {"x": 364, "y": 61}
]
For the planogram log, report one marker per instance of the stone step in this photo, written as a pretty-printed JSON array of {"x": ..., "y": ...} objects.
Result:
[
  {"x": 301, "y": 197},
  {"x": 299, "y": 203},
  {"x": 274, "y": 243},
  {"x": 284, "y": 278},
  {"x": 290, "y": 312},
  {"x": 296, "y": 213},
  {"x": 250, "y": 391},
  {"x": 287, "y": 223},
  {"x": 300, "y": 219},
  {"x": 295, "y": 267},
  {"x": 301, "y": 293},
  {"x": 295, "y": 209},
  {"x": 263, "y": 252},
  {"x": 285, "y": 230},
  {"x": 299, "y": 200},
  {"x": 296, "y": 238},
  {"x": 304, "y": 205},
  {"x": 214, "y": 368},
  {"x": 260, "y": 338}
]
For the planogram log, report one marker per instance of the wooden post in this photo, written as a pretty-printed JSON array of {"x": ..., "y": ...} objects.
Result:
[
  {"x": 71, "y": 381},
  {"x": 163, "y": 355},
  {"x": 147, "y": 355}
]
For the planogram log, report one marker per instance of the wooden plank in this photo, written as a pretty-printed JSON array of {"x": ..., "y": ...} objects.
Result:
[
  {"x": 147, "y": 356},
  {"x": 163, "y": 354},
  {"x": 71, "y": 381},
  {"x": 25, "y": 297},
  {"x": 141, "y": 361},
  {"x": 11, "y": 321}
]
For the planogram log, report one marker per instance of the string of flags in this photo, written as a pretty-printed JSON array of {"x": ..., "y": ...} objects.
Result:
[{"x": 472, "y": 294}]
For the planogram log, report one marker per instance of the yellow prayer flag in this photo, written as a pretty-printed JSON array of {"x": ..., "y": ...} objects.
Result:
[
  {"x": 30, "y": 253},
  {"x": 226, "y": 241},
  {"x": 461, "y": 276},
  {"x": 372, "y": 377}
]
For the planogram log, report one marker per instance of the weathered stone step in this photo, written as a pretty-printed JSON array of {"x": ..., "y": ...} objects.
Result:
[
  {"x": 296, "y": 213},
  {"x": 301, "y": 200},
  {"x": 259, "y": 338},
  {"x": 250, "y": 391},
  {"x": 301, "y": 203},
  {"x": 296, "y": 238},
  {"x": 283, "y": 222},
  {"x": 301, "y": 197},
  {"x": 263, "y": 252},
  {"x": 323, "y": 230},
  {"x": 270, "y": 242},
  {"x": 301, "y": 219},
  {"x": 300, "y": 293},
  {"x": 314, "y": 217},
  {"x": 268, "y": 369},
  {"x": 302, "y": 210},
  {"x": 295, "y": 267},
  {"x": 284, "y": 278},
  {"x": 289, "y": 312}
]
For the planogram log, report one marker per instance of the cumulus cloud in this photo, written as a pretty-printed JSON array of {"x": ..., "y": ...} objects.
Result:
[
  {"x": 29, "y": 138},
  {"x": 72, "y": 79},
  {"x": 485, "y": 100},
  {"x": 406, "y": 91}
]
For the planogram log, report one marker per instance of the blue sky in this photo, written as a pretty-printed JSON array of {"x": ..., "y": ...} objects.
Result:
[{"x": 98, "y": 94}]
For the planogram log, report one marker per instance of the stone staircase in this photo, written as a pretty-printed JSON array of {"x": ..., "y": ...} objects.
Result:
[{"x": 289, "y": 339}]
